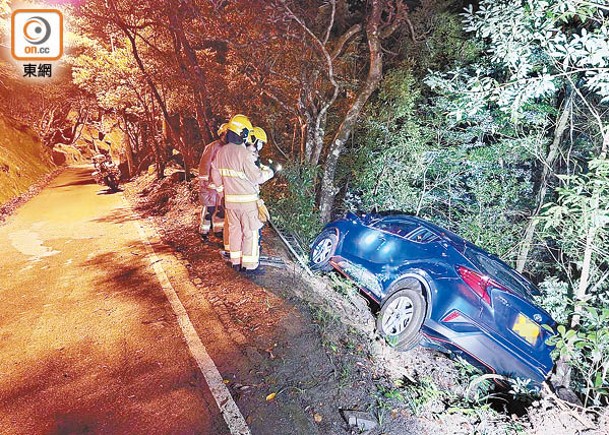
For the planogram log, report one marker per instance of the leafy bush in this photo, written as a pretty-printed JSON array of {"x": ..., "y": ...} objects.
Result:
[
  {"x": 586, "y": 351},
  {"x": 292, "y": 201},
  {"x": 555, "y": 297},
  {"x": 473, "y": 397}
]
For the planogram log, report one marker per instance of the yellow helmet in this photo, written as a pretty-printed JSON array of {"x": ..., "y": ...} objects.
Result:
[
  {"x": 257, "y": 137},
  {"x": 259, "y": 134},
  {"x": 222, "y": 129},
  {"x": 240, "y": 125}
]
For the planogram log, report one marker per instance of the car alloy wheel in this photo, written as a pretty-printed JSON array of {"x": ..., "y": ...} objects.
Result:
[
  {"x": 322, "y": 251},
  {"x": 401, "y": 316},
  {"x": 397, "y": 316}
]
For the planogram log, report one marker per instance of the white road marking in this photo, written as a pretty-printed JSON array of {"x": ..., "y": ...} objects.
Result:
[{"x": 229, "y": 409}]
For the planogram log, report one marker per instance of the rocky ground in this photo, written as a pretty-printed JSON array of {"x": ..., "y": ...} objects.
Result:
[{"x": 313, "y": 344}]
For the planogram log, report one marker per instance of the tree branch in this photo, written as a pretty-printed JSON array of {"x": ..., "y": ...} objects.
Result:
[
  {"x": 331, "y": 23},
  {"x": 345, "y": 37},
  {"x": 400, "y": 15}
]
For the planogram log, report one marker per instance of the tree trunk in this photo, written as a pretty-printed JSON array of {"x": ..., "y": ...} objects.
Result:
[
  {"x": 173, "y": 136},
  {"x": 584, "y": 279},
  {"x": 200, "y": 85},
  {"x": 318, "y": 137},
  {"x": 328, "y": 190},
  {"x": 309, "y": 137},
  {"x": 128, "y": 149},
  {"x": 548, "y": 165},
  {"x": 563, "y": 369}
]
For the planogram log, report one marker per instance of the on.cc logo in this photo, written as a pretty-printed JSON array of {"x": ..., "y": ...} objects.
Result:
[
  {"x": 37, "y": 30},
  {"x": 37, "y": 34}
]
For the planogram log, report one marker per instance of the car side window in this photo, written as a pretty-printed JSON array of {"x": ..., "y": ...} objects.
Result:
[
  {"x": 395, "y": 227},
  {"x": 422, "y": 235},
  {"x": 406, "y": 230}
]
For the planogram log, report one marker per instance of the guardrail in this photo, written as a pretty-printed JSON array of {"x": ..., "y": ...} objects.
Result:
[{"x": 294, "y": 245}]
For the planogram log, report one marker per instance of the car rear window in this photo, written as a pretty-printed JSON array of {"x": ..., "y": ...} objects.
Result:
[{"x": 498, "y": 271}]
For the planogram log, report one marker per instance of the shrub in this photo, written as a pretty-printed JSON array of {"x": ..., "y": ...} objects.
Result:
[{"x": 292, "y": 201}]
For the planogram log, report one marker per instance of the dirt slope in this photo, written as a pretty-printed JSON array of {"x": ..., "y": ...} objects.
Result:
[{"x": 23, "y": 160}]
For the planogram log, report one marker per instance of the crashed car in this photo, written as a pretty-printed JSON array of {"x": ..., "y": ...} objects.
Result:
[{"x": 436, "y": 289}]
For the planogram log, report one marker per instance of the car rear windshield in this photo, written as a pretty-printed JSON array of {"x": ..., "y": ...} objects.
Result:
[{"x": 498, "y": 271}]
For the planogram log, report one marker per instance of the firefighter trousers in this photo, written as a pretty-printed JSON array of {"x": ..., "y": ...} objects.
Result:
[
  {"x": 226, "y": 233},
  {"x": 244, "y": 227},
  {"x": 212, "y": 218}
]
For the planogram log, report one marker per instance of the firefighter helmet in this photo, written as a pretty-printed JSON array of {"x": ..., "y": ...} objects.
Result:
[
  {"x": 258, "y": 138},
  {"x": 240, "y": 125},
  {"x": 222, "y": 129}
]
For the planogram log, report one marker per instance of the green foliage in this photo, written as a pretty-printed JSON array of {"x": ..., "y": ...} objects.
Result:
[
  {"x": 343, "y": 285},
  {"x": 292, "y": 201},
  {"x": 471, "y": 397},
  {"x": 468, "y": 152},
  {"x": 109, "y": 75},
  {"x": 523, "y": 390},
  {"x": 556, "y": 296},
  {"x": 418, "y": 163},
  {"x": 578, "y": 222},
  {"x": 423, "y": 394},
  {"x": 540, "y": 45},
  {"x": 586, "y": 351},
  {"x": 388, "y": 155},
  {"x": 582, "y": 207}
]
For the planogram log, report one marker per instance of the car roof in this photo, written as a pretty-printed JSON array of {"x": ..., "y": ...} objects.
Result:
[{"x": 463, "y": 246}]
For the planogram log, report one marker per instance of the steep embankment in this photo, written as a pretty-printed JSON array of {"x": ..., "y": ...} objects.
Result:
[{"x": 23, "y": 159}]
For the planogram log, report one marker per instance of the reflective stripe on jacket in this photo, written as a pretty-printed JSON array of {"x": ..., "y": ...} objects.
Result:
[{"x": 234, "y": 172}]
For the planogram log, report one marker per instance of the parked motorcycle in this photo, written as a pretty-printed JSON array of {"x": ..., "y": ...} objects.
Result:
[{"x": 106, "y": 172}]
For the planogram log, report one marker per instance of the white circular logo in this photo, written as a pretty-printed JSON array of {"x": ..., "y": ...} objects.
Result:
[{"x": 37, "y": 30}]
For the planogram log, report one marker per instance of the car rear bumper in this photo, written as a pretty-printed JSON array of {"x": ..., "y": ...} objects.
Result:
[{"x": 485, "y": 352}]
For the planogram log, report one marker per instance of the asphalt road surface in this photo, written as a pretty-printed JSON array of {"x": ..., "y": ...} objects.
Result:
[{"x": 89, "y": 342}]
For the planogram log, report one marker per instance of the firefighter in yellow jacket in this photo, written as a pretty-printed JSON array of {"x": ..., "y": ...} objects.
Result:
[
  {"x": 212, "y": 212},
  {"x": 237, "y": 177},
  {"x": 257, "y": 139}
]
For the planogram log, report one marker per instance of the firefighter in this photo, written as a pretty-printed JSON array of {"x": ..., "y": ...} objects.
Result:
[
  {"x": 212, "y": 211},
  {"x": 236, "y": 175},
  {"x": 256, "y": 140}
]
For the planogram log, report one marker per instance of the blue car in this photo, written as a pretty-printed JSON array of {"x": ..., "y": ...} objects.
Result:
[{"x": 436, "y": 289}]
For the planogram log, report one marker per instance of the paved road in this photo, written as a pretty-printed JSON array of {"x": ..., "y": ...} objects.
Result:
[{"x": 88, "y": 341}]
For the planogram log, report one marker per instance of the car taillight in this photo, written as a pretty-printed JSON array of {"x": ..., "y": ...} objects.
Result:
[{"x": 477, "y": 282}]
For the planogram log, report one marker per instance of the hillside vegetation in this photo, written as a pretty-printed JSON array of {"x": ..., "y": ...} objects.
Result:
[{"x": 23, "y": 159}]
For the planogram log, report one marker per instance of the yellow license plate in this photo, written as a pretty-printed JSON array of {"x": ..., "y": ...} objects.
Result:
[{"x": 526, "y": 328}]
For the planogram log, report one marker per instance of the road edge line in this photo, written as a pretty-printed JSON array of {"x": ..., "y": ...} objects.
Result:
[{"x": 229, "y": 409}]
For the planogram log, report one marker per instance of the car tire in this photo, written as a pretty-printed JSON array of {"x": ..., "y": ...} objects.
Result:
[
  {"x": 322, "y": 250},
  {"x": 400, "y": 319}
]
